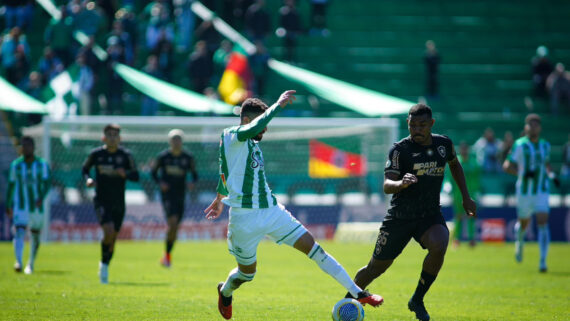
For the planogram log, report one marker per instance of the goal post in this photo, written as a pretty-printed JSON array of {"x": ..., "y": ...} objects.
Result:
[{"x": 325, "y": 170}]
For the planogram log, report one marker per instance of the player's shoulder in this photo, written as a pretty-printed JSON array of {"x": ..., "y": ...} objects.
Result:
[
  {"x": 402, "y": 143},
  {"x": 441, "y": 139},
  {"x": 17, "y": 161},
  {"x": 163, "y": 154},
  {"x": 187, "y": 154},
  {"x": 41, "y": 160},
  {"x": 124, "y": 150},
  {"x": 544, "y": 142},
  {"x": 97, "y": 150},
  {"x": 520, "y": 141}
]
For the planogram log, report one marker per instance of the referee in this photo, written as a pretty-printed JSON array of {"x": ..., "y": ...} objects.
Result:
[
  {"x": 169, "y": 172},
  {"x": 114, "y": 165}
]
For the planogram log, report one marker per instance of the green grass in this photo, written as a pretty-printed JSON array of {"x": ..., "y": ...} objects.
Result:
[{"x": 475, "y": 284}]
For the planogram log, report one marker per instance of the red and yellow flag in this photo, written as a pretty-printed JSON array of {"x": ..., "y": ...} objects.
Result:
[
  {"x": 235, "y": 85},
  {"x": 326, "y": 161}
]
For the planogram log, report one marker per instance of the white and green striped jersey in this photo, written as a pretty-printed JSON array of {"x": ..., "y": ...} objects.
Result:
[
  {"x": 531, "y": 157},
  {"x": 27, "y": 183},
  {"x": 242, "y": 170}
]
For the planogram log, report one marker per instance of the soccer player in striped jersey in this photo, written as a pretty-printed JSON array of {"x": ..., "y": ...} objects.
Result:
[
  {"x": 529, "y": 160},
  {"x": 254, "y": 211},
  {"x": 28, "y": 184}
]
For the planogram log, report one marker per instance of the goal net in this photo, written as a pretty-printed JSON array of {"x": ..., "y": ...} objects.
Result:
[{"x": 325, "y": 171}]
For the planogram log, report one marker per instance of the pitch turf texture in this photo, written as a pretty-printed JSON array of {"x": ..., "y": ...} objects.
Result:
[{"x": 475, "y": 284}]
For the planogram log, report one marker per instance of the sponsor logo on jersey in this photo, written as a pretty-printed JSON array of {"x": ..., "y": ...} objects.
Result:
[
  {"x": 441, "y": 151},
  {"x": 396, "y": 159},
  {"x": 428, "y": 169}
]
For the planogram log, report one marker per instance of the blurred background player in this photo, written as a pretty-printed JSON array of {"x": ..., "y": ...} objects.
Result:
[
  {"x": 173, "y": 164},
  {"x": 254, "y": 211},
  {"x": 28, "y": 184},
  {"x": 472, "y": 171},
  {"x": 529, "y": 160},
  {"x": 414, "y": 174},
  {"x": 114, "y": 165}
]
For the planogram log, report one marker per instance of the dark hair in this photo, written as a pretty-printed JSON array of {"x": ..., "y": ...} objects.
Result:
[
  {"x": 420, "y": 109},
  {"x": 112, "y": 127},
  {"x": 27, "y": 139},
  {"x": 252, "y": 107},
  {"x": 532, "y": 117}
]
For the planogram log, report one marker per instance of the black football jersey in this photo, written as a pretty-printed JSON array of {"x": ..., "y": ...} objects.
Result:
[
  {"x": 110, "y": 187},
  {"x": 427, "y": 163},
  {"x": 173, "y": 169}
]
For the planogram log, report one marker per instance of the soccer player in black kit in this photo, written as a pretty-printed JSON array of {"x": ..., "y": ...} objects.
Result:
[
  {"x": 173, "y": 165},
  {"x": 414, "y": 174},
  {"x": 114, "y": 165}
]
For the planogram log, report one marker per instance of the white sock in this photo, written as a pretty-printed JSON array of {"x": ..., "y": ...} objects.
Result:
[
  {"x": 328, "y": 264},
  {"x": 19, "y": 244},
  {"x": 234, "y": 280},
  {"x": 34, "y": 245}
]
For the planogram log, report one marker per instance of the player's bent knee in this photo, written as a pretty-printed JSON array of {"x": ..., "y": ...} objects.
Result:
[{"x": 243, "y": 277}]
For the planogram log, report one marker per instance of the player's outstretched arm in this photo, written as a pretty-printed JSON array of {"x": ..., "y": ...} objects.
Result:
[
  {"x": 216, "y": 208},
  {"x": 469, "y": 204},
  {"x": 260, "y": 122}
]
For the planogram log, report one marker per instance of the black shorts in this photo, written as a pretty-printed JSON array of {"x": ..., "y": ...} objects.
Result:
[
  {"x": 395, "y": 234},
  {"x": 173, "y": 205},
  {"x": 107, "y": 213}
]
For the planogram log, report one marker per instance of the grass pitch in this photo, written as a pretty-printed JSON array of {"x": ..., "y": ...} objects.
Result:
[{"x": 475, "y": 284}]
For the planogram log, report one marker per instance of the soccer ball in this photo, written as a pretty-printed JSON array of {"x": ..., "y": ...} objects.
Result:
[{"x": 348, "y": 310}]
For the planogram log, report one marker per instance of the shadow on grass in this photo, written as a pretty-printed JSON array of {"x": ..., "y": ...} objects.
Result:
[
  {"x": 558, "y": 273},
  {"x": 146, "y": 284}
]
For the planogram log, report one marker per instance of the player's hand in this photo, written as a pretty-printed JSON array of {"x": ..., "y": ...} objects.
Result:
[
  {"x": 164, "y": 187},
  {"x": 470, "y": 207},
  {"x": 121, "y": 172},
  {"x": 286, "y": 98},
  {"x": 90, "y": 182},
  {"x": 9, "y": 212},
  {"x": 408, "y": 180},
  {"x": 215, "y": 209}
]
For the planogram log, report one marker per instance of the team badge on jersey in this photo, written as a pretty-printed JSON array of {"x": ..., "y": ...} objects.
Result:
[{"x": 441, "y": 151}]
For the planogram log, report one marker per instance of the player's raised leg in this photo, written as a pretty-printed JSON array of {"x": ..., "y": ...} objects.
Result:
[
  {"x": 306, "y": 244},
  {"x": 236, "y": 277},
  {"x": 520, "y": 231}
]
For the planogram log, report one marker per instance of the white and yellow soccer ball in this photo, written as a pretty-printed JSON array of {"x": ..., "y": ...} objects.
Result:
[{"x": 348, "y": 310}]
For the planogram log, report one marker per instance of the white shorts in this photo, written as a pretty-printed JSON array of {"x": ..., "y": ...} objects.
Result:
[
  {"x": 531, "y": 204},
  {"x": 249, "y": 226},
  {"x": 34, "y": 220}
]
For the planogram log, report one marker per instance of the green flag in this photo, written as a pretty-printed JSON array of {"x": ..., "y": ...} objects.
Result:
[{"x": 13, "y": 99}]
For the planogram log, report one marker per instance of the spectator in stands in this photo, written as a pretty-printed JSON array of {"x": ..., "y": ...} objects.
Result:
[
  {"x": 541, "y": 69},
  {"x": 257, "y": 21},
  {"x": 185, "y": 21},
  {"x": 150, "y": 105},
  {"x": 58, "y": 35},
  {"x": 164, "y": 52},
  {"x": 432, "y": 61},
  {"x": 49, "y": 65},
  {"x": 221, "y": 58},
  {"x": 125, "y": 40},
  {"x": 289, "y": 28},
  {"x": 90, "y": 58},
  {"x": 487, "y": 149},
  {"x": 318, "y": 18},
  {"x": 15, "y": 56},
  {"x": 33, "y": 87},
  {"x": 558, "y": 85},
  {"x": 129, "y": 23},
  {"x": 87, "y": 18},
  {"x": 200, "y": 67},
  {"x": 565, "y": 170},
  {"x": 116, "y": 53},
  {"x": 86, "y": 82},
  {"x": 18, "y": 13},
  {"x": 107, "y": 9},
  {"x": 159, "y": 27},
  {"x": 259, "y": 68},
  {"x": 207, "y": 33}
]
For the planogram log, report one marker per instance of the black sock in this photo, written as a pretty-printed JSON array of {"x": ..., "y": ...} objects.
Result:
[
  {"x": 169, "y": 245},
  {"x": 106, "y": 253},
  {"x": 425, "y": 282}
]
